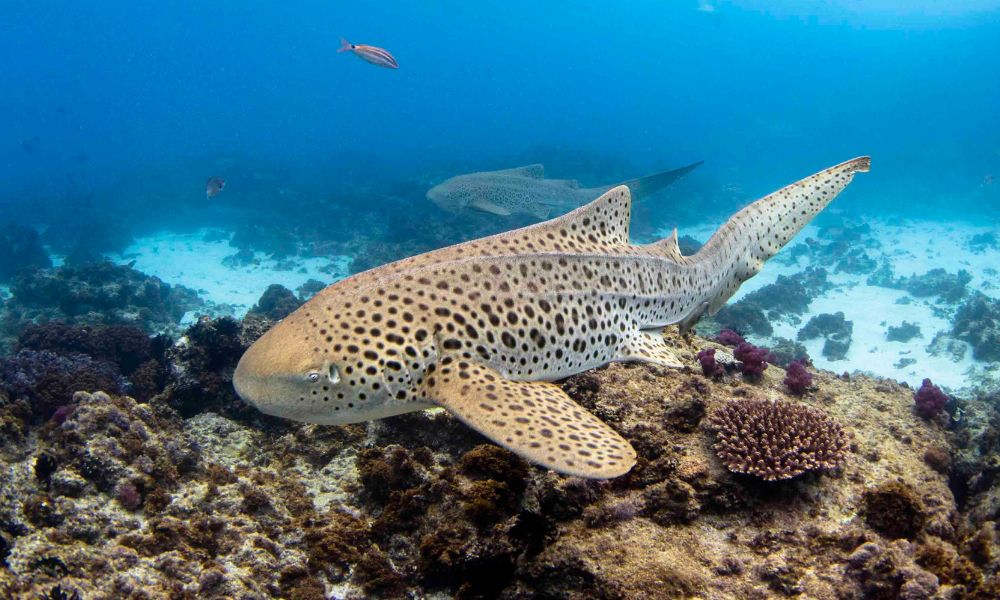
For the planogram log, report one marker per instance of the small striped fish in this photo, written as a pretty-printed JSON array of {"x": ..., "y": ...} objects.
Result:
[{"x": 372, "y": 54}]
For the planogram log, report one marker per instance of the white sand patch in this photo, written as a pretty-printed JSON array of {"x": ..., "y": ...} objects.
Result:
[
  {"x": 188, "y": 260},
  {"x": 912, "y": 248}
]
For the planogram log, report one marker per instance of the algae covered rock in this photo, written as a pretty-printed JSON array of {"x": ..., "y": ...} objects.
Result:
[{"x": 117, "y": 497}]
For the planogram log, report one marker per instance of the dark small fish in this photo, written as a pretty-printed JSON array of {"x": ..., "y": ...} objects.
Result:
[
  {"x": 372, "y": 54},
  {"x": 214, "y": 186}
]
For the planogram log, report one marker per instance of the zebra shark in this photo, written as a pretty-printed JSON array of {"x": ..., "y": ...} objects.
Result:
[{"x": 481, "y": 328}]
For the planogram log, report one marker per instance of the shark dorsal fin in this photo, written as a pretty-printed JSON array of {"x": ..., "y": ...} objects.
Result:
[
  {"x": 535, "y": 171},
  {"x": 668, "y": 246},
  {"x": 596, "y": 227},
  {"x": 604, "y": 221}
]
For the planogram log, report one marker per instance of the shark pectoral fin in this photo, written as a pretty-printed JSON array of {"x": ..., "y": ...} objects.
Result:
[
  {"x": 535, "y": 420},
  {"x": 487, "y": 206},
  {"x": 648, "y": 346},
  {"x": 541, "y": 211}
]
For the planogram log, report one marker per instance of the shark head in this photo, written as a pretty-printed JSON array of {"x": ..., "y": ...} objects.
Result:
[
  {"x": 456, "y": 194},
  {"x": 299, "y": 370}
]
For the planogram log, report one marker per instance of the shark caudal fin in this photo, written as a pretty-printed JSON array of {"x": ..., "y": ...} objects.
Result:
[
  {"x": 737, "y": 251},
  {"x": 649, "y": 185}
]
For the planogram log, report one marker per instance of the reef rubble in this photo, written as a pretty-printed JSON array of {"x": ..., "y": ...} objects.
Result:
[{"x": 189, "y": 495}]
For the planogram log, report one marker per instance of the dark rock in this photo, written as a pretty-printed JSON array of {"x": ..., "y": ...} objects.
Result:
[
  {"x": 978, "y": 323},
  {"x": 903, "y": 332},
  {"x": 276, "y": 303},
  {"x": 834, "y": 328},
  {"x": 894, "y": 509},
  {"x": 101, "y": 293},
  {"x": 309, "y": 289},
  {"x": 745, "y": 317}
]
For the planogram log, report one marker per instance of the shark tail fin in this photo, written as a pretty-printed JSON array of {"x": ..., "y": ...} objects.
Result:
[
  {"x": 345, "y": 46},
  {"x": 738, "y": 250},
  {"x": 649, "y": 185}
]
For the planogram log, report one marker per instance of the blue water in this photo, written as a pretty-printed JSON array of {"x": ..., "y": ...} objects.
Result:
[{"x": 138, "y": 103}]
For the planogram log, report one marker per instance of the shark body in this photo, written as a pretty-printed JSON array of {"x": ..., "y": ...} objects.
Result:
[
  {"x": 524, "y": 190},
  {"x": 481, "y": 327}
]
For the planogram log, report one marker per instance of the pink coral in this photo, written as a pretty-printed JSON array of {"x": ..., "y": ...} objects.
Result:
[
  {"x": 929, "y": 400},
  {"x": 753, "y": 359},
  {"x": 709, "y": 366},
  {"x": 728, "y": 337},
  {"x": 797, "y": 378}
]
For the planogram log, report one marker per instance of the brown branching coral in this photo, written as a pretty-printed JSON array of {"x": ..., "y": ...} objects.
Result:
[{"x": 776, "y": 440}]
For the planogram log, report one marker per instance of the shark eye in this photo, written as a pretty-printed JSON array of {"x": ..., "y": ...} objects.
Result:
[
  {"x": 334, "y": 375},
  {"x": 313, "y": 377}
]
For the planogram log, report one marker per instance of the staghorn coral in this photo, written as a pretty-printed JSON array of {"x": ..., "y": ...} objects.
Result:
[{"x": 776, "y": 440}]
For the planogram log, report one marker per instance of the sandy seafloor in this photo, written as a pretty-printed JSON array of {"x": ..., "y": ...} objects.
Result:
[
  {"x": 912, "y": 248},
  {"x": 187, "y": 259}
]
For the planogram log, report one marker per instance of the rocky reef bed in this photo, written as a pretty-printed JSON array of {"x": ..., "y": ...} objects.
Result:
[{"x": 190, "y": 494}]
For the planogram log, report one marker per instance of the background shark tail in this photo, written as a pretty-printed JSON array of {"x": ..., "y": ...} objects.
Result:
[
  {"x": 738, "y": 250},
  {"x": 649, "y": 185}
]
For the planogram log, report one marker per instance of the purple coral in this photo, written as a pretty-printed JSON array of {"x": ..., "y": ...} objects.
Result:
[
  {"x": 728, "y": 337},
  {"x": 929, "y": 400},
  {"x": 797, "y": 378},
  {"x": 752, "y": 358},
  {"x": 709, "y": 366}
]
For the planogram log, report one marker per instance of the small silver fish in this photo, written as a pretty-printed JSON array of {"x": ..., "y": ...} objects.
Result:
[
  {"x": 373, "y": 54},
  {"x": 213, "y": 187}
]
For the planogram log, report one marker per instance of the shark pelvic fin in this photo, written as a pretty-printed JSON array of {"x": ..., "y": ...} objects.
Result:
[
  {"x": 488, "y": 207},
  {"x": 648, "y": 346},
  {"x": 535, "y": 420}
]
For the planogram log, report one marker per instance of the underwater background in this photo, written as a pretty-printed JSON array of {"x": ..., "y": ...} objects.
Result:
[{"x": 128, "y": 293}]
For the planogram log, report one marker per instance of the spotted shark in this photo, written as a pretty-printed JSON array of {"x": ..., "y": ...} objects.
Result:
[
  {"x": 524, "y": 190},
  {"x": 483, "y": 327}
]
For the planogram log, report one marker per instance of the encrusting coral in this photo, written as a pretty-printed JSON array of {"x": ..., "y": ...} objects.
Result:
[{"x": 777, "y": 440}]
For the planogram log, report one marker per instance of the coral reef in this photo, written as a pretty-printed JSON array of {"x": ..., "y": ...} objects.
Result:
[
  {"x": 978, "y": 323},
  {"x": 186, "y": 495},
  {"x": 98, "y": 293},
  {"x": 20, "y": 249},
  {"x": 947, "y": 287},
  {"x": 835, "y": 330},
  {"x": 981, "y": 242},
  {"x": 777, "y": 440}
]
